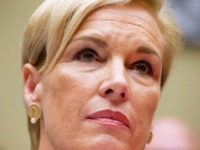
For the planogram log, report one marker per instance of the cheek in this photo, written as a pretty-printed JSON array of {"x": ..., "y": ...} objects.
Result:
[
  {"x": 61, "y": 93},
  {"x": 64, "y": 95},
  {"x": 149, "y": 102},
  {"x": 145, "y": 105},
  {"x": 57, "y": 97}
]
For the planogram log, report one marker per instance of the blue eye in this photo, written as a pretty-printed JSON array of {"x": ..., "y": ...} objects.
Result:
[
  {"x": 87, "y": 55},
  {"x": 142, "y": 67}
]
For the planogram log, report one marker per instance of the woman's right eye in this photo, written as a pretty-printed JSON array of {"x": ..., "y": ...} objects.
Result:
[{"x": 87, "y": 55}]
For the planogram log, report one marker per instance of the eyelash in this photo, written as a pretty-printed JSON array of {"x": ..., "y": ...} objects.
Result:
[
  {"x": 143, "y": 64},
  {"x": 80, "y": 55},
  {"x": 139, "y": 66}
]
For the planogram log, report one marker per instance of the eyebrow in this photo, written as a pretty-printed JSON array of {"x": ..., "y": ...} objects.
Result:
[
  {"x": 97, "y": 41},
  {"x": 103, "y": 44},
  {"x": 147, "y": 50}
]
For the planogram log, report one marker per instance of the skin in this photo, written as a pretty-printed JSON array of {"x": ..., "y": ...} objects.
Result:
[{"x": 77, "y": 86}]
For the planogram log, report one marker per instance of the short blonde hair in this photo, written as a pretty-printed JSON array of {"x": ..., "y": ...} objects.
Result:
[{"x": 54, "y": 23}]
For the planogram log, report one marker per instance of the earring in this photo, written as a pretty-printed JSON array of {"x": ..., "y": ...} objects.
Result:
[
  {"x": 34, "y": 112},
  {"x": 150, "y": 137},
  {"x": 149, "y": 140}
]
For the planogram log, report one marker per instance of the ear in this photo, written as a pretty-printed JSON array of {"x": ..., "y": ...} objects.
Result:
[{"x": 31, "y": 78}]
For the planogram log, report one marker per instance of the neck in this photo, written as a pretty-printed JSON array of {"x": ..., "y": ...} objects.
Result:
[{"x": 44, "y": 143}]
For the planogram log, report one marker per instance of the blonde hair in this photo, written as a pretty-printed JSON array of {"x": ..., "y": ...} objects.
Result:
[{"x": 54, "y": 23}]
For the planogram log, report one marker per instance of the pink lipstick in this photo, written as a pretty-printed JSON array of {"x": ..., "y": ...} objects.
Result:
[{"x": 110, "y": 118}]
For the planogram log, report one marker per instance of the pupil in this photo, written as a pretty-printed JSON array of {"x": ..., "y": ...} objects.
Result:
[
  {"x": 88, "y": 56},
  {"x": 142, "y": 68}
]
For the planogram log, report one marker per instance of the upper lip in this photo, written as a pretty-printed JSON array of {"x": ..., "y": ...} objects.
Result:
[{"x": 109, "y": 114}]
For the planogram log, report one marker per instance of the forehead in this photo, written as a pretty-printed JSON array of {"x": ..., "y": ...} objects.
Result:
[
  {"x": 126, "y": 18},
  {"x": 126, "y": 13}
]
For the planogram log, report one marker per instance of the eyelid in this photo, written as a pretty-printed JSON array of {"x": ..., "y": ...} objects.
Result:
[
  {"x": 84, "y": 50},
  {"x": 148, "y": 64},
  {"x": 87, "y": 50}
]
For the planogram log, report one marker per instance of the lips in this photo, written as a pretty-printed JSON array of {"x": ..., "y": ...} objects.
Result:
[{"x": 110, "y": 118}]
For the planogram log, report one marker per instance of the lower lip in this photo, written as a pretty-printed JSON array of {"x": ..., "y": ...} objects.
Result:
[{"x": 109, "y": 122}]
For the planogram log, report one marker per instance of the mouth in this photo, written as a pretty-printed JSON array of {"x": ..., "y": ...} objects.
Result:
[{"x": 110, "y": 118}]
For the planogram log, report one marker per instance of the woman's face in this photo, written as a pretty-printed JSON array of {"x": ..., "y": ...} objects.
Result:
[{"x": 104, "y": 90}]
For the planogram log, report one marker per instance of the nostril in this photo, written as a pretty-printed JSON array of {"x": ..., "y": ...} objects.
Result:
[
  {"x": 109, "y": 91},
  {"x": 122, "y": 94}
]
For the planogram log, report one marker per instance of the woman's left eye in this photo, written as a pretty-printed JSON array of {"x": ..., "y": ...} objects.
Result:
[
  {"x": 87, "y": 55},
  {"x": 142, "y": 67}
]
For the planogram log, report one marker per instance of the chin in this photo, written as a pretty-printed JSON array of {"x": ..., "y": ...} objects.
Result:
[{"x": 106, "y": 142}]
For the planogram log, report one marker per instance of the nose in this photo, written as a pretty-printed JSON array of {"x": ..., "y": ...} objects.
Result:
[
  {"x": 115, "y": 86},
  {"x": 115, "y": 92}
]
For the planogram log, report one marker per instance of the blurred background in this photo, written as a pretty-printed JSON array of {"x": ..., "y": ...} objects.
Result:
[{"x": 180, "y": 97}]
